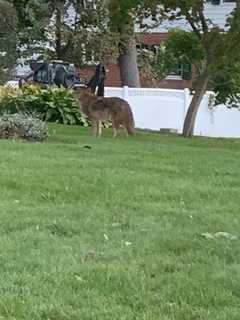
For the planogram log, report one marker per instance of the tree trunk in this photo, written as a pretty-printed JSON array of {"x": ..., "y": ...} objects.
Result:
[
  {"x": 190, "y": 119},
  {"x": 128, "y": 59},
  {"x": 58, "y": 34}
]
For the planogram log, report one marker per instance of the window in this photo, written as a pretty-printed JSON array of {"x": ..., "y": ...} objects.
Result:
[
  {"x": 42, "y": 75},
  {"x": 221, "y": 1},
  {"x": 142, "y": 46},
  {"x": 89, "y": 4},
  {"x": 215, "y": 1},
  {"x": 178, "y": 70},
  {"x": 182, "y": 71}
]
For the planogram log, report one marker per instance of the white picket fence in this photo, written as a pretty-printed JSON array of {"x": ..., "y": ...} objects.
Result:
[{"x": 157, "y": 109}]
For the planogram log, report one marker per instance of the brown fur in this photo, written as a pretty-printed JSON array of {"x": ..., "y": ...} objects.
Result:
[{"x": 98, "y": 109}]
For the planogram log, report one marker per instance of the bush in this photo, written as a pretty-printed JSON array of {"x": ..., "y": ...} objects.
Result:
[
  {"x": 53, "y": 105},
  {"x": 24, "y": 126}
]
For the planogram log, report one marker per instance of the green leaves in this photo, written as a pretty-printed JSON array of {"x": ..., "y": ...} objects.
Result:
[
  {"x": 22, "y": 125},
  {"x": 8, "y": 40},
  {"x": 185, "y": 45},
  {"x": 54, "y": 105},
  {"x": 180, "y": 51},
  {"x": 121, "y": 12}
]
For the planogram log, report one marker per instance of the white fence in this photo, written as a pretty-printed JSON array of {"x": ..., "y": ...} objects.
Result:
[{"x": 166, "y": 108}]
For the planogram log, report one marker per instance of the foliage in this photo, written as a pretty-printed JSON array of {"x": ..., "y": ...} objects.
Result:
[
  {"x": 185, "y": 46},
  {"x": 121, "y": 13},
  {"x": 53, "y": 105},
  {"x": 8, "y": 40},
  {"x": 226, "y": 82},
  {"x": 180, "y": 48},
  {"x": 22, "y": 125},
  {"x": 212, "y": 50},
  {"x": 68, "y": 29},
  {"x": 227, "y": 85},
  {"x": 156, "y": 64}
]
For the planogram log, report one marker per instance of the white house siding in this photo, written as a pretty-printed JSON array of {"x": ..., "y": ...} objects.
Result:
[
  {"x": 219, "y": 13},
  {"x": 216, "y": 13}
]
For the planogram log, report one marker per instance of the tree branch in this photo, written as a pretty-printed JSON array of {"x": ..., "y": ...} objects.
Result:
[
  {"x": 192, "y": 24},
  {"x": 238, "y": 4},
  {"x": 203, "y": 22}
]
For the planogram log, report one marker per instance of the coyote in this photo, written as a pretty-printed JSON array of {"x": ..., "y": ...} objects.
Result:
[{"x": 98, "y": 109}]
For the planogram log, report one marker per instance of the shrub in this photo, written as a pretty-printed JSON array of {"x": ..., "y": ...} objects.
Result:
[
  {"x": 22, "y": 125},
  {"x": 53, "y": 105}
]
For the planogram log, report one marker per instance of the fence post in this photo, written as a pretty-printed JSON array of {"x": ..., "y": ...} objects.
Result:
[{"x": 125, "y": 93}]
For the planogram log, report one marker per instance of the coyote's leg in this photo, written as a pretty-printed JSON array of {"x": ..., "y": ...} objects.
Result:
[
  {"x": 129, "y": 129},
  {"x": 99, "y": 128},
  {"x": 115, "y": 126},
  {"x": 114, "y": 132},
  {"x": 95, "y": 127}
]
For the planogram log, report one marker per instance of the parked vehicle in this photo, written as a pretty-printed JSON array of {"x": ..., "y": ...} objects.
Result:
[
  {"x": 51, "y": 73},
  {"x": 59, "y": 73}
]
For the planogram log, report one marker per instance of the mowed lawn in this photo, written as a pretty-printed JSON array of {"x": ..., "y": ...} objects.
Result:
[{"x": 115, "y": 231}]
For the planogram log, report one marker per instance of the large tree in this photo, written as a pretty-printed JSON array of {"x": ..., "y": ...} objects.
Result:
[{"x": 122, "y": 22}]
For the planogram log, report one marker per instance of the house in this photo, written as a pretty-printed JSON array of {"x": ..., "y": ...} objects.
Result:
[{"x": 216, "y": 10}]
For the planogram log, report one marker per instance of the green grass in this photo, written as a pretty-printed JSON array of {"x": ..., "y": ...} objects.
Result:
[{"x": 114, "y": 232}]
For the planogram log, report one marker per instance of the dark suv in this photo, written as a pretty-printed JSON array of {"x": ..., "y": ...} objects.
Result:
[{"x": 55, "y": 72}]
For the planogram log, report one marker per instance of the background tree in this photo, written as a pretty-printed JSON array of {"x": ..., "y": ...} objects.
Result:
[
  {"x": 70, "y": 30},
  {"x": 122, "y": 20},
  {"x": 8, "y": 40},
  {"x": 214, "y": 52},
  {"x": 66, "y": 30},
  {"x": 227, "y": 71},
  {"x": 181, "y": 50},
  {"x": 44, "y": 28}
]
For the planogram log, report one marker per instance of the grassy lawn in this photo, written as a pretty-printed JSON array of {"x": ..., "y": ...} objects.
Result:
[{"x": 114, "y": 232}]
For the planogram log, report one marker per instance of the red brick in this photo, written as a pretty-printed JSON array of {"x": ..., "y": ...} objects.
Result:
[{"x": 113, "y": 73}]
